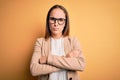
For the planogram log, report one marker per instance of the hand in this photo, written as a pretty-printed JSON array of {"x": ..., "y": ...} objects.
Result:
[
  {"x": 69, "y": 55},
  {"x": 43, "y": 60},
  {"x": 73, "y": 53}
]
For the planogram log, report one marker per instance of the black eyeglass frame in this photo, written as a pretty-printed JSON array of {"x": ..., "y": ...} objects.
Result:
[{"x": 63, "y": 20}]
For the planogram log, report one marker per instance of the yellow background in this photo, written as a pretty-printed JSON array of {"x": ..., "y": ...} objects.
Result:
[{"x": 96, "y": 23}]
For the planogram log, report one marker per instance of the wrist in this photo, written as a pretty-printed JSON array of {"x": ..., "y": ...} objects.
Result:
[{"x": 46, "y": 59}]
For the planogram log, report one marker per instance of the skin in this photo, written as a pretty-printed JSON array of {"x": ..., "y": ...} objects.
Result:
[
  {"x": 56, "y": 33},
  {"x": 55, "y": 28}
]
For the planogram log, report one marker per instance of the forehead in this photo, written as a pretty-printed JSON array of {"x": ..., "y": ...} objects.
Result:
[{"x": 57, "y": 13}]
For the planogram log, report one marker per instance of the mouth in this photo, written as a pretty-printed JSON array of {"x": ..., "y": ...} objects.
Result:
[{"x": 55, "y": 29}]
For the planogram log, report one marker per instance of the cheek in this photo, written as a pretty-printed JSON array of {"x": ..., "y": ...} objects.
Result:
[
  {"x": 62, "y": 27},
  {"x": 50, "y": 25}
]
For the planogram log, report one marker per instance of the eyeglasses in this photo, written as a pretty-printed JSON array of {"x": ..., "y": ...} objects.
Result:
[{"x": 60, "y": 21}]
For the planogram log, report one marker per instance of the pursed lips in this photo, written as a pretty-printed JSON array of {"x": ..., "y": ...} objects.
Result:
[{"x": 55, "y": 29}]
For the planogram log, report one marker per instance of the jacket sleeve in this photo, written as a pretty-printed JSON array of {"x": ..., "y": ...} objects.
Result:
[
  {"x": 35, "y": 67},
  {"x": 75, "y": 63}
]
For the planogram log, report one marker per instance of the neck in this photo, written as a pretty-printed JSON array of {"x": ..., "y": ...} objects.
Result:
[{"x": 57, "y": 36}]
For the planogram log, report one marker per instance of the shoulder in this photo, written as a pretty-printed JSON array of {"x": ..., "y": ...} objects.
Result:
[
  {"x": 39, "y": 41},
  {"x": 74, "y": 40}
]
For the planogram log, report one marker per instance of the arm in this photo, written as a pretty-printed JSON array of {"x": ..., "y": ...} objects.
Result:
[
  {"x": 72, "y": 54},
  {"x": 70, "y": 63},
  {"x": 35, "y": 67}
]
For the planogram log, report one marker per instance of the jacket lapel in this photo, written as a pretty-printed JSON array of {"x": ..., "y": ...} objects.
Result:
[
  {"x": 67, "y": 46},
  {"x": 48, "y": 46}
]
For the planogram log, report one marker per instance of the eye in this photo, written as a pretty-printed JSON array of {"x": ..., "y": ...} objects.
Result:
[
  {"x": 52, "y": 18},
  {"x": 61, "y": 19}
]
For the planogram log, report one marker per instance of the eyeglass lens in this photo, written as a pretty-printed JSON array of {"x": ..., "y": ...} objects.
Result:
[{"x": 59, "y": 20}]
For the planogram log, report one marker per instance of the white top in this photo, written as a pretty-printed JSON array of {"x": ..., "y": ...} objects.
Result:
[{"x": 57, "y": 48}]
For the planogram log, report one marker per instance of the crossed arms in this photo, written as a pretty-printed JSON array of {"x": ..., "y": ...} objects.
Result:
[{"x": 42, "y": 65}]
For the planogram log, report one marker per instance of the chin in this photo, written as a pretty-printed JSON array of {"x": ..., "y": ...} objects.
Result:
[{"x": 56, "y": 32}]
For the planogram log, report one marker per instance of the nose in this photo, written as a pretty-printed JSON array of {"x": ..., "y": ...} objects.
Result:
[{"x": 55, "y": 22}]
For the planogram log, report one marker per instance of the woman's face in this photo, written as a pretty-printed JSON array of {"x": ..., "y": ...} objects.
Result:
[{"x": 57, "y": 22}]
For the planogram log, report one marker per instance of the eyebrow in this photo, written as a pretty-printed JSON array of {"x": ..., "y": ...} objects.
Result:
[{"x": 57, "y": 18}]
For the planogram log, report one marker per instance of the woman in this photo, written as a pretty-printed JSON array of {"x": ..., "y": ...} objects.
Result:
[{"x": 57, "y": 56}]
